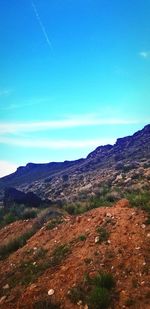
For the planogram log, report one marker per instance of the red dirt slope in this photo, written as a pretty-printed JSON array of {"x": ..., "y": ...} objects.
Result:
[{"x": 125, "y": 254}]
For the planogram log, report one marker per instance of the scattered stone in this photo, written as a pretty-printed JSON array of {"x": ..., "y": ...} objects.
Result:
[
  {"x": 33, "y": 286},
  {"x": 108, "y": 241},
  {"x": 143, "y": 282},
  {"x": 2, "y": 299},
  {"x": 97, "y": 239},
  {"x": 79, "y": 303},
  {"x": 148, "y": 235},
  {"x": 108, "y": 215},
  {"x": 51, "y": 292},
  {"x": 143, "y": 226},
  {"x": 6, "y": 286},
  {"x": 34, "y": 263}
]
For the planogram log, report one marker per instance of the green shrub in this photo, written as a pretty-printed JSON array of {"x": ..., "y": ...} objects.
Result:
[
  {"x": 103, "y": 234},
  {"x": 139, "y": 199},
  {"x": 99, "y": 298},
  {"x": 82, "y": 237},
  {"x": 53, "y": 223},
  {"x": 96, "y": 292},
  {"x": 9, "y": 218},
  {"x": 29, "y": 214},
  {"x": 104, "y": 280},
  {"x": 59, "y": 254}
]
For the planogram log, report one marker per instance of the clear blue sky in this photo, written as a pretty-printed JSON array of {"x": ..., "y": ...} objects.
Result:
[{"x": 74, "y": 74}]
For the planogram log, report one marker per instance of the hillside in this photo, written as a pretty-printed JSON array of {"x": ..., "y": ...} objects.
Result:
[
  {"x": 126, "y": 165},
  {"x": 58, "y": 263}
]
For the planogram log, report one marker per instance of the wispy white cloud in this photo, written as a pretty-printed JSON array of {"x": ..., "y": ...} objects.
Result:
[
  {"x": 7, "y": 167},
  {"x": 145, "y": 54},
  {"x": 41, "y": 25},
  {"x": 80, "y": 121},
  {"x": 56, "y": 144}
]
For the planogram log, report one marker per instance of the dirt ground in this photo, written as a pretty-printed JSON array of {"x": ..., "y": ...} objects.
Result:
[{"x": 125, "y": 254}]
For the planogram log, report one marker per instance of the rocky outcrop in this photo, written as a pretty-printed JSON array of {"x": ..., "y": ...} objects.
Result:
[{"x": 13, "y": 196}]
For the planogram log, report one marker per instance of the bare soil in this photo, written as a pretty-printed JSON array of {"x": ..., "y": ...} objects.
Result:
[{"x": 125, "y": 254}]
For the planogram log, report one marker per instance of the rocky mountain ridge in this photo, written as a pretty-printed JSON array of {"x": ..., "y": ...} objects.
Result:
[{"x": 124, "y": 165}]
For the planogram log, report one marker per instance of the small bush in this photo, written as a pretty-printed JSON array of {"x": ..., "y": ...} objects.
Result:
[
  {"x": 59, "y": 254},
  {"x": 140, "y": 200},
  {"x": 103, "y": 234},
  {"x": 53, "y": 223},
  {"x": 29, "y": 214},
  {"x": 95, "y": 292},
  {"x": 82, "y": 237},
  {"x": 104, "y": 280},
  {"x": 99, "y": 298}
]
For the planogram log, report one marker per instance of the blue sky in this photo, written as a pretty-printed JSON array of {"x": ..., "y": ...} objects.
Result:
[{"x": 74, "y": 74}]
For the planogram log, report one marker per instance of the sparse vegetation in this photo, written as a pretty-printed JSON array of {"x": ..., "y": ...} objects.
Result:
[
  {"x": 139, "y": 200},
  {"x": 104, "y": 280},
  {"x": 53, "y": 223},
  {"x": 45, "y": 304},
  {"x": 99, "y": 298},
  {"x": 82, "y": 237},
  {"x": 59, "y": 254},
  {"x": 99, "y": 288},
  {"x": 19, "y": 242},
  {"x": 103, "y": 234},
  {"x": 76, "y": 294}
]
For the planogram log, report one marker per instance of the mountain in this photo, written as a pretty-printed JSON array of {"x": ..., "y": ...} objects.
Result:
[
  {"x": 68, "y": 255},
  {"x": 125, "y": 165}
]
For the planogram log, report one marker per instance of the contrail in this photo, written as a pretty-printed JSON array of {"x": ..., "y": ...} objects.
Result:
[{"x": 41, "y": 25}]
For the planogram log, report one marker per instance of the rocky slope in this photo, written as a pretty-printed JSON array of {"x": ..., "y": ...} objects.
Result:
[
  {"x": 57, "y": 261},
  {"x": 126, "y": 165}
]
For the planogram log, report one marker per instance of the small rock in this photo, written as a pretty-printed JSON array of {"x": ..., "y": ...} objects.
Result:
[
  {"x": 79, "y": 303},
  {"x": 33, "y": 286},
  {"x": 108, "y": 215},
  {"x": 108, "y": 241},
  {"x": 96, "y": 239},
  {"x": 148, "y": 235},
  {"x": 137, "y": 248},
  {"x": 143, "y": 282},
  {"x": 6, "y": 286},
  {"x": 35, "y": 248},
  {"x": 51, "y": 292},
  {"x": 2, "y": 299},
  {"x": 143, "y": 226},
  {"x": 34, "y": 263}
]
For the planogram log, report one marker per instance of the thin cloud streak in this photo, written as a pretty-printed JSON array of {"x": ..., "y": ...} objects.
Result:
[
  {"x": 41, "y": 25},
  {"x": 82, "y": 121},
  {"x": 55, "y": 144},
  {"x": 145, "y": 54}
]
